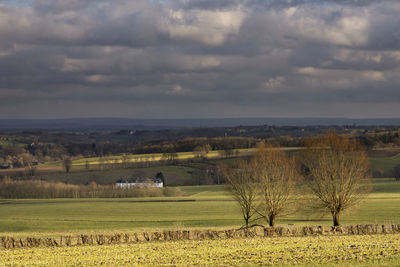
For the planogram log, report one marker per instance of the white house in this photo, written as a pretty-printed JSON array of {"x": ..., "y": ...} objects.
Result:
[{"x": 139, "y": 182}]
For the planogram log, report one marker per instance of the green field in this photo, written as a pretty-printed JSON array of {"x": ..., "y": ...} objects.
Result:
[
  {"x": 174, "y": 175},
  {"x": 157, "y": 156},
  {"x": 385, "y": 164},
  {"x": 205, "y": 206}
]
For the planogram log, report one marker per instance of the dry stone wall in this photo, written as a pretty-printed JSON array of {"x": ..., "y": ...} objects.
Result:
[{"x": 7, "y": 242}]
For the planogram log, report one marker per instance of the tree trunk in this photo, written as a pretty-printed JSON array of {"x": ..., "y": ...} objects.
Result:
[
  {"x": 271, "y": 220},
  {"x": 336, "y": 221}
]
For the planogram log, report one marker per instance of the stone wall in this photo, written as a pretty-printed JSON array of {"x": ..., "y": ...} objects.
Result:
[{"x": 7, "y": 242}]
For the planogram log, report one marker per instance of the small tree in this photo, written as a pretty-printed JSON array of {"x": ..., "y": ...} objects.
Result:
[
  {"x": 338, "y": 172},
  {"x": 102, "y": 162},
  {"x": 160, "y": 176},
  {"x": 124, "y": 158},
  {"x": 170, "y": 157},
  {"x": 276, "y": 176},
  {"x": 67, "y": 164},
  {"x": 87, "y": 165},
  {"x": 241, "y": 184},
  {"x": 198, "y": 152},
  {"x": 396, "y": 172}
]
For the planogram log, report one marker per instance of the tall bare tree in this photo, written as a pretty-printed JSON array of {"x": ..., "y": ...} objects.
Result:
[
  {"x": 338, "y": 171},
  {"x": 276, "y": 175},
  {"x": 241, "y": 184}
]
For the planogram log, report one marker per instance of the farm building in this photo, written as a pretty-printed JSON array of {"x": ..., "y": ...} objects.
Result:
[
  {"x": 5, "y": 166},
  {"x": 139, "y": 182}
]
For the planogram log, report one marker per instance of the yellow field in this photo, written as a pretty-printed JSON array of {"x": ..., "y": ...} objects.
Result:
[
  {"x": 154, "y": 157},
  {"x": 364, "y": 250}
]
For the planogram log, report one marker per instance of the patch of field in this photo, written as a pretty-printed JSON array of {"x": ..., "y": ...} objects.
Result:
[
  {"x": 70, "y": 214},
  {"x": 386, "y": 185},
  {"x": 203, "y": 189},
  {"x": 173, "y": 174},
  {"x": 157, "y": 156},
  {"x": 364, "y": 250},
  {"x": 385, "y": 164},
  {"x": 205, "y": 206},
  {"x": 214, "y": 154}
]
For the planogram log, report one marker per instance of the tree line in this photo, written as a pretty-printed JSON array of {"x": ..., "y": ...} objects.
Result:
[
  {"x": 36, "y": 189},
  {"x": 332, "y": 172},
  {"x": 20, "y": 156}
]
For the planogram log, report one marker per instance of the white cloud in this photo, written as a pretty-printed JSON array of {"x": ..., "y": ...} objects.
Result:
[
  {"x": 313, "y": 24},
  {"x": 204, "y": 26},
  {"x": 251, "y": 54},
  {"x": 274, "y": 84}
]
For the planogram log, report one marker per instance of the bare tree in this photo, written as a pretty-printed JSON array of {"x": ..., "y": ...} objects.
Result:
[
  {"x": 87, "y": 165},
  {"x": 171, "y": 157},
  {"x": 396, "y": 172},
  {"x": 338, "y": 171},
  {"x": 200, "y": 152},
  {"x": 241, "y": 184},
  {"x": 276, "y": 175},
  {"x": 102, "y": 163},
  {"x": 124, "y": 158},
  {"x": 67, "y": 164}
]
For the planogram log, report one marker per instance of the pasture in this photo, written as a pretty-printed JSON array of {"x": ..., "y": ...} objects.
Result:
[
  {"x": 385, "y": 165},
  {"x": 203, "y": 207}
]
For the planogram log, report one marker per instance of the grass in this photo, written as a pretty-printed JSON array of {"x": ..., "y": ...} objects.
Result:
[
  {"x": 174, "y": 175},
  {"x": 385, "y": 164},
  {"x": 383, "y": 250},
  {"x": 202, "y": 189},
  {"x": 155, "y": 157},
  {"x": 205, "y": 206},
  {"x": 386, "y": 185}
]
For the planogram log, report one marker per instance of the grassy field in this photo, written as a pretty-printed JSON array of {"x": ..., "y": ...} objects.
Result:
[
  {"x": 173, "y": 174},
  {"x": 158, "y": 156},
  {"x": 92, "y": 162},
  {"x": 205, "y": 206},
  {"x": 365, "y": 250},
  {"x": 181, "y": 174},
  {"x": 385, "y": 164}
]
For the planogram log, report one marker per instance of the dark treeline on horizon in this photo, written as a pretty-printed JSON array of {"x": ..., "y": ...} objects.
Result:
[
  {"x": 115, "y": 124},
  {"x": 20, "y": 149}
]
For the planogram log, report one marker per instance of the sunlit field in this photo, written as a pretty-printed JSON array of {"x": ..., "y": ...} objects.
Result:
[
  {"x": 204, "y": 206},
  {"x": 363, "y": 250}
]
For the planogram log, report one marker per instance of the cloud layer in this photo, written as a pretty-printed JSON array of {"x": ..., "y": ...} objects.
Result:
[{"x": 199, "y": 58}]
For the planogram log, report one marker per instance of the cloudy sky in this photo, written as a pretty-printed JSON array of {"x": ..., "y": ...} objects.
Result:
[{"x": 199, "y": 58}]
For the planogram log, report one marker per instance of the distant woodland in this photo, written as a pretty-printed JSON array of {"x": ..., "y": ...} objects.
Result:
[{"x": 21, "y": 148}]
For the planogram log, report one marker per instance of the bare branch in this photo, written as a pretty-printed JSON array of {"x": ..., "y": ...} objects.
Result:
[{"x": 338, "y": 172}]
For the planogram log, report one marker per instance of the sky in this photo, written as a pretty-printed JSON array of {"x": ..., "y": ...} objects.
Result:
[{"x": 199, "y": 58}]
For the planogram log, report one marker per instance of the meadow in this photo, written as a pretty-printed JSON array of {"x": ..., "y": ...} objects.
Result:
[
  {"x": 385, "y": 165},
  {"x": 202, "y": 207}
]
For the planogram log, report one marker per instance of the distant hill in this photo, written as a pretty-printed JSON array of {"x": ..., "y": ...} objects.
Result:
[{"x": 112, "y": 124}]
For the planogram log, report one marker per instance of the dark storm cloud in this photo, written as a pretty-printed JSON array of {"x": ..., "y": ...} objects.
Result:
[{"x": 199, "y": 58}]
